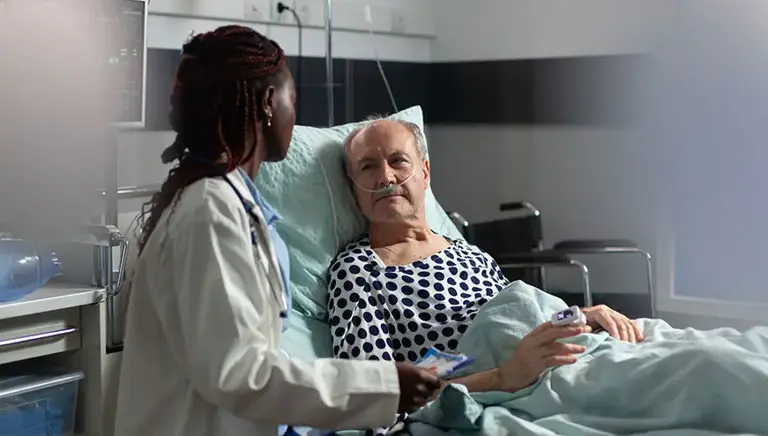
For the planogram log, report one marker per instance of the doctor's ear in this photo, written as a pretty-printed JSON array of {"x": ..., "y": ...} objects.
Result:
[{"x": 268, "y": 104}]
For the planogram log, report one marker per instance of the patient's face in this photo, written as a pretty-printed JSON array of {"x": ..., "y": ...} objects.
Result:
[{"x": 387, "y": 152}]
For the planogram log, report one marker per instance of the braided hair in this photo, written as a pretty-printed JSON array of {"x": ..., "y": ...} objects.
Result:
[{"x": 216, "y": 111}]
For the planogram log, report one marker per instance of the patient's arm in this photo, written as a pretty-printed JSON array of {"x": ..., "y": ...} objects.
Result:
[
  {"x": 538, "y": 351},
  {"x": 485, "y": 381},
  {"x": 357, "y": 329}
]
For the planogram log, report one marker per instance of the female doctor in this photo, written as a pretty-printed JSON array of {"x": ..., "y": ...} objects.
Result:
[{"x": 208, "y": 294}]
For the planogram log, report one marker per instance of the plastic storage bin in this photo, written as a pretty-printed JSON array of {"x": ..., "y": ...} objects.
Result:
[{"x": 38, "y": 405}]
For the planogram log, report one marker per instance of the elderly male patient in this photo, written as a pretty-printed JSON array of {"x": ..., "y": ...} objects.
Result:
[{"x": 402, "y": 288}]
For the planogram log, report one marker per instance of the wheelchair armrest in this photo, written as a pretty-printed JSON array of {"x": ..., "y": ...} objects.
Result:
[
  {"x": 536, "y": 258},
  {"x": 515, "y": 206},
  {"x": 593, "y": 245},
  {"x": 458, "y": 220},
  {"x": 461, "y": 224}
]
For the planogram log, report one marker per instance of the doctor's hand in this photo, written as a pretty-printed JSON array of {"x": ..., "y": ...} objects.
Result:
[
  {"x": 537, "y": 352},
  {"x": 417, "y": 386},
  {"x": 616, "y": 324}
]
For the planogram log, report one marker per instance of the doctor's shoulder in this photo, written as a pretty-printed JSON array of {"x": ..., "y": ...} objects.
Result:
[{"x": 207, "y": 200}]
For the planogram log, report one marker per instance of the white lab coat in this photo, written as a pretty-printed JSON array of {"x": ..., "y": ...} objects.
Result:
[{"x": 201, "y": 349}]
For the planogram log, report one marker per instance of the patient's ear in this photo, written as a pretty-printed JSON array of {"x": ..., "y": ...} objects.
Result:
[
  {"x": 426, "y": 174},
  {"x": 352, "y": 189}
]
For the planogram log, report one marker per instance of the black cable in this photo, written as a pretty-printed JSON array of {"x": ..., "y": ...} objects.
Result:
[{"x": 282, "y": 7}]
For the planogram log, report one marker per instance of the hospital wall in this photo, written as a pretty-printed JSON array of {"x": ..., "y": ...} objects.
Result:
[
  {"x": 534, "y": 101},
  {"x": 598, "y": 142},
  {"x": 547, "y": 121}
]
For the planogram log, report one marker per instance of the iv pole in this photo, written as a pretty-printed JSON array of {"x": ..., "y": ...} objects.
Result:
[{"x": 329, "y": 62}]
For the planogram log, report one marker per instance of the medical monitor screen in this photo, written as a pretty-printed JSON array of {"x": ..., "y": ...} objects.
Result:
[
  {"x": 118, "y": 31},
  {"x": 125, "y": 60}
]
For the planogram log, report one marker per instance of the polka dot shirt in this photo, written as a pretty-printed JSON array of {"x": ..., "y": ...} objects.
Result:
[{"x": 380, "y": 312}]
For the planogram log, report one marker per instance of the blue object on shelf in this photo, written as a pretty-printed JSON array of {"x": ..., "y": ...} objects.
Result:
[{"x": 24, "y": 268}]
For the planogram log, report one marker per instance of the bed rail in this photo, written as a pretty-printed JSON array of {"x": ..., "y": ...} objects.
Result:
[{"x": 141, "y": 191}]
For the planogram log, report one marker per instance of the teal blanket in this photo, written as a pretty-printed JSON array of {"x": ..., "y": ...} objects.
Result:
[{"x": 677, "y": 382}]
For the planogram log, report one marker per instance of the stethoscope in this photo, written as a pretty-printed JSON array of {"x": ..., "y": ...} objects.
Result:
[{"x": 257, "y": 232}]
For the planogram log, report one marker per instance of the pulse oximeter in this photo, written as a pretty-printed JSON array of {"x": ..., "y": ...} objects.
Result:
[{"x": 570, "y": 316}]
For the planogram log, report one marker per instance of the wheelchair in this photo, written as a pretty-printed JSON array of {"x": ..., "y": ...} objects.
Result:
[{"x": 517, "y": 245}]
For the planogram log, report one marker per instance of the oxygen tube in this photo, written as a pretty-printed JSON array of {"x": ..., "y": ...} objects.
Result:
[{"x": 387, "y": 189}]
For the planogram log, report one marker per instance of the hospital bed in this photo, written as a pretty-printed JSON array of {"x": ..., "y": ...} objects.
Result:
[{"x": 312, "y": 178}]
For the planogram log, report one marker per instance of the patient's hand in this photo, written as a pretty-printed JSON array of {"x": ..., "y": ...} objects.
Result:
[
  {"x": 538, "y": 351},
  {"x": 616, "y": 324}
]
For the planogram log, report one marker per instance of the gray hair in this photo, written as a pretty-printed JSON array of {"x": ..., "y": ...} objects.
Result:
[{"x": 421, "y": 142}]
